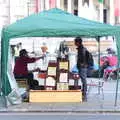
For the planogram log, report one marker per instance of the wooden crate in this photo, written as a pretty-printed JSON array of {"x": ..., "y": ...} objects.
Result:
[{"x": 55, "y": 96}]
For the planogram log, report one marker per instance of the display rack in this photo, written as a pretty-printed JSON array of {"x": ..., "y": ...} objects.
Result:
[
  {"x": 63, "y": 74},
  {"x": 50, "y": 81}
]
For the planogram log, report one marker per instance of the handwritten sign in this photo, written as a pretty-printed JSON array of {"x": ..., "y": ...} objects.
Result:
[
  {"x": 63, "y": 65},
  {"x": 52, "y": 71}
]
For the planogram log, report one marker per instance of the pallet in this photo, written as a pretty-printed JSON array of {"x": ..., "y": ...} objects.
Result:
[{"x": 55, "y": 96}]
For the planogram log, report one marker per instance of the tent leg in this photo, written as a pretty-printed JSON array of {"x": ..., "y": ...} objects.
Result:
[
  {"x": 98, "y": 40},
  {"x": 3, "y": 101},
  {"x": 116, "y": 95}
]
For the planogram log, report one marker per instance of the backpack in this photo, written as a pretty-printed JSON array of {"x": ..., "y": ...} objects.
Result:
[{"x": 90, "y": 58}]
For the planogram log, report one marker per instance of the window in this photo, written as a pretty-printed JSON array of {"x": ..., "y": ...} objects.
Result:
[
  {"x": 85, "y": 1},
  {"x": 76, "y": 12},
  {"x": 105, "y": 15}
]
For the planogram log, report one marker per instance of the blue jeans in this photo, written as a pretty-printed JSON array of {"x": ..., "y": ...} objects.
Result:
[{"x": 83, "y": 76}]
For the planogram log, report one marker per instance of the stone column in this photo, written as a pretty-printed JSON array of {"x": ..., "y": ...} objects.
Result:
[
  {"x": 9, "y": 11},
  {"x": 47, "y": 4},
  {"x": 62, "y": 4},
  {"x": 42, "y": 5},
  {"x": 91, "y": 8},
  {"x": 69, "y": 6},
  {"x": 112, "y": 16},
  {"x": 79, "y": 7},
  {"x": 101, "y": 12},
  {"x": 58, "y": 3}
]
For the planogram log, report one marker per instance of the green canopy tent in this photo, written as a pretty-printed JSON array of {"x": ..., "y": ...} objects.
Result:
[{"x": 51, "y": 23}]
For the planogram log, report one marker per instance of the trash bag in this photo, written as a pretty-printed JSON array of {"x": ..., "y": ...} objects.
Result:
[{"x": 14, "y": 97}]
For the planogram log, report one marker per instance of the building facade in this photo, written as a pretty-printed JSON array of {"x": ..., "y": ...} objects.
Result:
[{"x": 13, "y": 10}]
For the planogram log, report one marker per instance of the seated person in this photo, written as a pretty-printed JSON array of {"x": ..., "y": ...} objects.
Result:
[{"x": 21, "y": 70}]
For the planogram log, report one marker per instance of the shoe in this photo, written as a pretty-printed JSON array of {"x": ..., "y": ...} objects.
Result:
[
  {"x": 84, "y": 99},
  {"x": 25, "y": 100}
]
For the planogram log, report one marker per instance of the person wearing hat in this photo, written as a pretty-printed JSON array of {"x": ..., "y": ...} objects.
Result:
[{"x": 21, "y": 70}]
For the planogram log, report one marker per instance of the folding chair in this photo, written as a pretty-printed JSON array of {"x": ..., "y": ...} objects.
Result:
[{"x": 98, "y": 84}]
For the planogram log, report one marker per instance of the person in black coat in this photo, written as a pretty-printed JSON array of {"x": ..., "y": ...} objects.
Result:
[{"x": 82, "y": 64}]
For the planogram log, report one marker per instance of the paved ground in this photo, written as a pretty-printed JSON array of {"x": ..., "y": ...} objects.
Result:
[{"x": 95, "y": 103}]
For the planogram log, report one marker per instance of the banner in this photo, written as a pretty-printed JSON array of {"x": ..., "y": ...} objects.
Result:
[
  {"x": 117, "y": 7},
  {"x": 52, "y": 3}
]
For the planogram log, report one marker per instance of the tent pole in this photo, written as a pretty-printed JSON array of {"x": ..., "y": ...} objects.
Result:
[
  {"x": 116, "y": 93},
  {"x": 99, "y": 72},
  {"x": 3, "y": 99},
  {"x": 117, "y": 84},
  {"x": 98, "y": 40}
]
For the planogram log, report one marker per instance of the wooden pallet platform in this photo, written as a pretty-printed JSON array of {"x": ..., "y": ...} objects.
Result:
[{"x": 55, "y": 96}]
